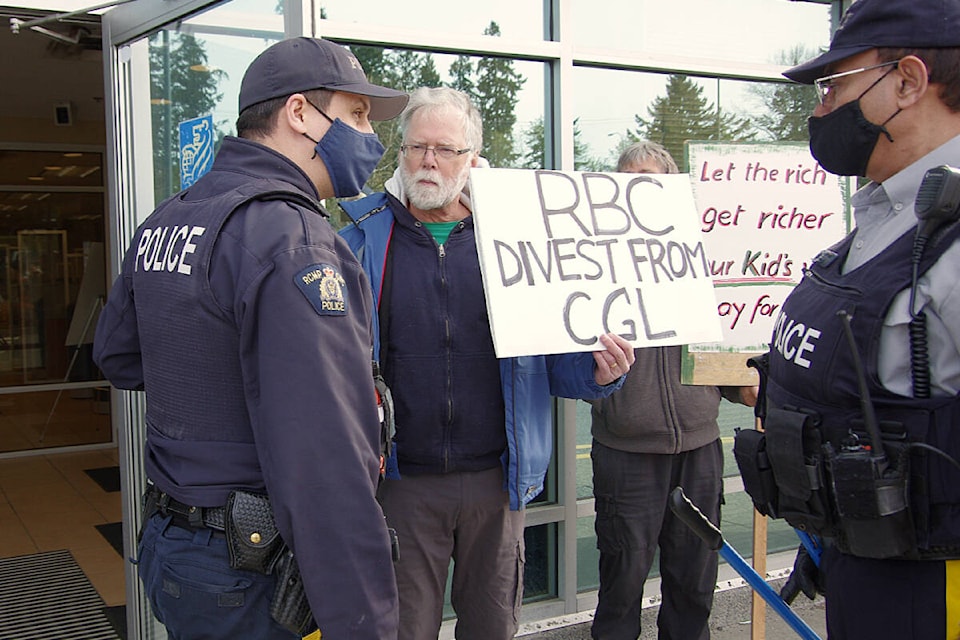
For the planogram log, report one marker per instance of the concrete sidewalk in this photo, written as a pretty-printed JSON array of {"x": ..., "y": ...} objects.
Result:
[{"x": 730, "y": 619}]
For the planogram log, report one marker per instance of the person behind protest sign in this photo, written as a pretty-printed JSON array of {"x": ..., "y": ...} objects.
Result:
[
  {"x": 652, "y": 435},
  {"x": 887, "y": 496},
  {"x": 474, "y": 433},
  {"x": 246, "y": 320}
]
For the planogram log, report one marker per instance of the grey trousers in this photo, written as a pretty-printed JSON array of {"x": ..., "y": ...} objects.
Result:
[
  {"x": 633, "y": 519},
  {"x": 465, "y": 517}
]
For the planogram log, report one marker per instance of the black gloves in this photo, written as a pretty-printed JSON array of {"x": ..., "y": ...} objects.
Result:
[{"x": 806, "y": 577}]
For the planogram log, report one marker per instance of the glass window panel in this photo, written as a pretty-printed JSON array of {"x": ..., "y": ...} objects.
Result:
[
  {"x": 509, "y": 94},
  {"x": 741, "y": 31},
  {"x": 675, "y": 108},
  {"x": 584, "y": 466},
  {"x": 193, "y": 74},
  {"x": 737, "y": 527},
  {"x": 588, "y": 557},
  {"x": 47, "y": 241},
  {"x": 731, "y": 416},
  {"x": 540, "y": 572},
  {"x": 516, "y": 20},
  {"x": 52, "y": 282},
  {"x": 196, "y": 67},
  {"x": 42, "y": 419},
  {"x": 44, "y": 169}
]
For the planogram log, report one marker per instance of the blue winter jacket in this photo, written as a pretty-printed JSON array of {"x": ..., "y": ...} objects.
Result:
[{"x": 528, "y": 382}]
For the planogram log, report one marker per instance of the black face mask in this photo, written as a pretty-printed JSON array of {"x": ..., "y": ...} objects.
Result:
[{"x": 843, "y": 140}]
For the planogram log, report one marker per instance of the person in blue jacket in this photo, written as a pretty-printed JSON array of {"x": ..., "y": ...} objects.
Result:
[
  {"x": 473, "y": 433},
  {"x": 245, "y": 319}
]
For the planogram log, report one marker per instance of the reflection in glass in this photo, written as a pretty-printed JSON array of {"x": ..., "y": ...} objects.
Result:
[
  {"x": 517, "y": 20},
  {"x": 508, "y": 92},
  {"x": 196, "y": 67},
  {"x": 183, "y": 86},
  {"x": 51, "y": 283},
  {"x": 540, "y": 573},
  {"x": 674, "y": 108},
  {"x": 45, "y": 419},
  {"x": 739, "y": 31}
]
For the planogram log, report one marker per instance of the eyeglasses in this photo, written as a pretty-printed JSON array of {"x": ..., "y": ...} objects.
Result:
[
  {"x": 825, "y": 85},
  {"x": 418, "y": 151}
]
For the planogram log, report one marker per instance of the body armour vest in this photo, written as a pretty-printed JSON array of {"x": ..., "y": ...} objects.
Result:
[
  {"x": 196, "y": 409},
  {"x": 813, "y": 386}
]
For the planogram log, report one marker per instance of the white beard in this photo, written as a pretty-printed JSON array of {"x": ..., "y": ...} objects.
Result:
[{"x": 428, "y": 197}]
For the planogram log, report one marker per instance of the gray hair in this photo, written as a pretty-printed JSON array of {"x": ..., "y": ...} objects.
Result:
[
  {"x": 638, "y": 152},
  {"x": 436, "y": 98}
]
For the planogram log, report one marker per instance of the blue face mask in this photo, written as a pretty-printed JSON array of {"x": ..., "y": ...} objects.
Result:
[{"x": 349, "y": 155}]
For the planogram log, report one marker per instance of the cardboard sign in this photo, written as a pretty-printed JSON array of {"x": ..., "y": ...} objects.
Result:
[
  {"x": 568, "y": 256},
  {"x": 766, "y": 210}
]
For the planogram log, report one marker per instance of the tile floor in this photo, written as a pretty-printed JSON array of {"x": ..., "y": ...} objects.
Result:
[{"x": 47, "y": 502}]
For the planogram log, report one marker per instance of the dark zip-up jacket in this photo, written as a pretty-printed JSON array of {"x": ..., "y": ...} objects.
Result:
[
  {"x": 653, "y": 412},
  {"x": 247, "y": 323},
  {"x": 438, "y": 399}
]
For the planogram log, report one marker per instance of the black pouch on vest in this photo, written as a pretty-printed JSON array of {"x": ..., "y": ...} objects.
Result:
[
  {"x": 871, "y": 499},
  {"x": 793, "y": 444},
  {"x": 750, "y": 452},
  {"x": 289, "y": 607},
  {"x": 252, "y": 535}
]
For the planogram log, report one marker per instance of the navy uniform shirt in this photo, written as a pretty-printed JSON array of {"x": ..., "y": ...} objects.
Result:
[{"x": 248, "y": 327}]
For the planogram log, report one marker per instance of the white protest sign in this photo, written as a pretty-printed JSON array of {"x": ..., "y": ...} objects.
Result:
[
  {"x": 568, "y": 256},
  {"x": 766, "y": 210}
]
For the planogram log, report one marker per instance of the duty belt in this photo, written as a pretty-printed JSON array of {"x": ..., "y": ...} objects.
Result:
[{"x": 156, "y": 501}]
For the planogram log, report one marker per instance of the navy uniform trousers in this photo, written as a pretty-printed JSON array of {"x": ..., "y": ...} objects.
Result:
[
  {"x": 194, "y": 592},
  {"x": 871, "y": 599}
]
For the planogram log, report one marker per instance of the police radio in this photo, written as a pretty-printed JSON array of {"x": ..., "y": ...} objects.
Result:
[
  {"x": 870, "y": 490},
  {"x": 937, "y": 204},
  {"x": 938, "y": 199}
]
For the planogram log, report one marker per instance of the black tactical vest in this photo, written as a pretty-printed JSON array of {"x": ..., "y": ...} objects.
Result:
[{"x": 817, "y": 437}]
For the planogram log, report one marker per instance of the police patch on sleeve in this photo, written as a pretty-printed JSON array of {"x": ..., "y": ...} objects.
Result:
[{"x": 325, "y": 288}]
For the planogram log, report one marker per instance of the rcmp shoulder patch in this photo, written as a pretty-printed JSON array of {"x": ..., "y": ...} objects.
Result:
[{"x": 325, "y": 288}]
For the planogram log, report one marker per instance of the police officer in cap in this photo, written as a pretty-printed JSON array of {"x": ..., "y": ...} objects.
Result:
[
  {"x": 246, "y": 320},
  {"x": 889, "y": 110}
]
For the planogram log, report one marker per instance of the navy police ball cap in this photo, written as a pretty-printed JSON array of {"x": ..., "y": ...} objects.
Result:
[
  {"x": 872, "y": 24},
  {"x": 302, "y": 64}
]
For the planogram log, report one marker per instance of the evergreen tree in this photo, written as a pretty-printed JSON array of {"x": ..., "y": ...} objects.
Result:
[
  {"x": 403, "y": 70},
  {"x": 534, "y": 141},
  {"x": 497, "y": 86},
  {"x": 408, "y": 70},
  {"x": 429, "y": 76},
  {"x": 376, "y": 62},
  {"x": 461, "y": 71},
  {"x": 583, "y": 158},
  {"x": 788, "y": 105},
  {"x": 683, "y": 114},
  {"x": 182, "y": 87},
  {"x": 535, "y": 157}
]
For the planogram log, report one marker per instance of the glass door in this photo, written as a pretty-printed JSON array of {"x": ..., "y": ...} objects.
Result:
[
  {"x": 52, "y": 221},
  {"x": 172, "y": 63}
]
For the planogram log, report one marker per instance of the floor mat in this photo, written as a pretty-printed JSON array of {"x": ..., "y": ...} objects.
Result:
[
  {"x": 107, "y": 477},
  {"x": 47, "y": 595},
  {"x": 118, "y": 618},
  {"x": 113, "y": 532}
]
